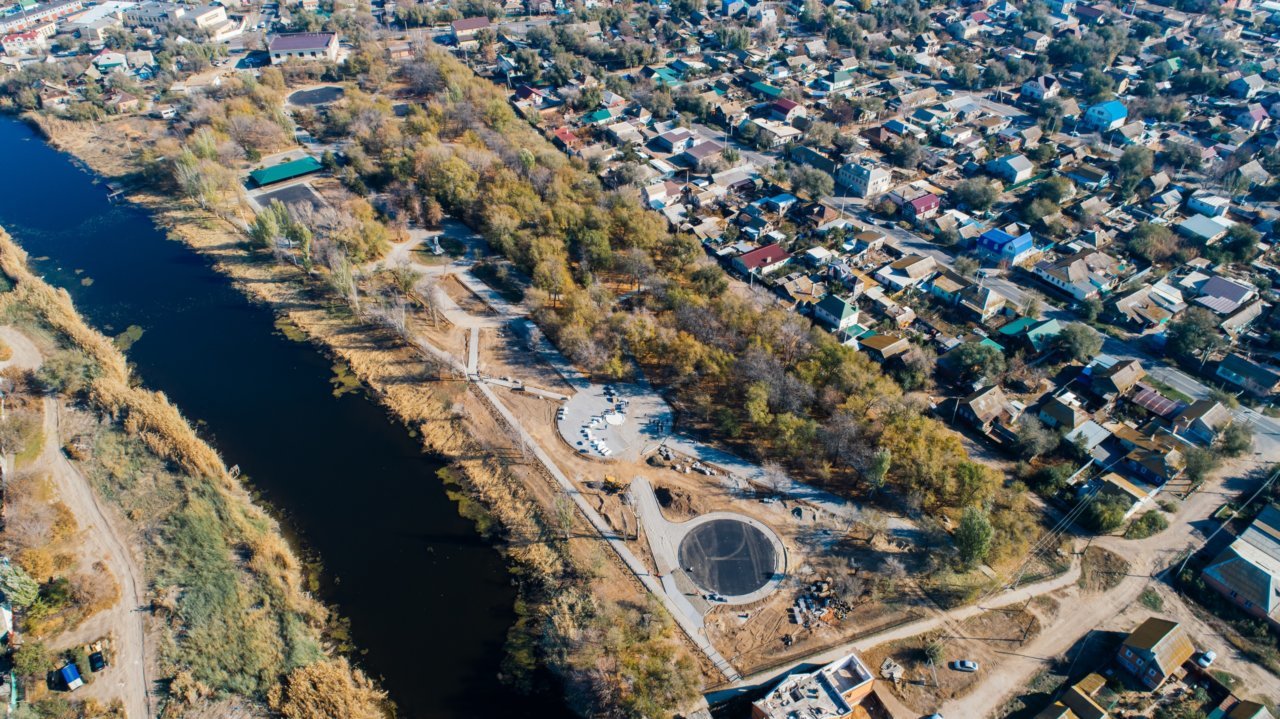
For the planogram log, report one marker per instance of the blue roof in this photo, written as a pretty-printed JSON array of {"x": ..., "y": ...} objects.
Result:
[
  {"x": 997, "y": 238},
  {"x": 69, "y": 673},
  {"x": 1113, "y": 110}
]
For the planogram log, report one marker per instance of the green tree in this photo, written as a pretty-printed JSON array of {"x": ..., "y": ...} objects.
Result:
[
  {"x": 973, "y": 537},
  {"x": 973, "y": 361},
  {"x": 976, "y": 193},
  {"x": 1235, "y": 440},
  {"x": 1079, "y": 341},
  {"x": 17, "y": 585},
  {"x": 1135, "y": 165},
  {"x": 32, "y": 659},
  {"x": 1195, "y": 332}
]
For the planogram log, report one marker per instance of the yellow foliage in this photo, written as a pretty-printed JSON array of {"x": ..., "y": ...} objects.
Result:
[{"x": 326, "y": 689}]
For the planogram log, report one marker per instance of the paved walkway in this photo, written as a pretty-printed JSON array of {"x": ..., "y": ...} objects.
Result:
[{"x": 616, "y": 542}]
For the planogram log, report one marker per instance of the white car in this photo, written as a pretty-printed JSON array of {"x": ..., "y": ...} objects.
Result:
[
  {"x": 1206, "y": 658},
  {"x": 964, "y": 665}
]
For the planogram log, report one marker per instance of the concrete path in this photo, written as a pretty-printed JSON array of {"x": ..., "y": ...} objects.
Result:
[{"x": 616, "y": 542}]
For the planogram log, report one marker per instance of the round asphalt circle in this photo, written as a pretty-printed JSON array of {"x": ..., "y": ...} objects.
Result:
[
  {"x": 317, "y": 95},
  {"x": 728, "y": 557}
]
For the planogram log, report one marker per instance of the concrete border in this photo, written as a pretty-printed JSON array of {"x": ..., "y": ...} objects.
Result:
[{"x": 779, "y": 553}]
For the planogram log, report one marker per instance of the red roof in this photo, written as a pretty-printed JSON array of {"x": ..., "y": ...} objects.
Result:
[
  {"x": 762, "y": 257},
  {"x": 786, "y": 105},
  {"x": 924, "y": 203},
  {"x": 565, "y": 136}
]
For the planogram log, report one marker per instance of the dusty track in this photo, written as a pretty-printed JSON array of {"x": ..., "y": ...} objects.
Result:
[{"x": 101, "y": 539}]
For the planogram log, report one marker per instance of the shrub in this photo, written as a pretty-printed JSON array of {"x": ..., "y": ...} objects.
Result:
[
  {"x": 1105, "y": 514},
  {"x": 936, "y": 652},
  {"x": 1147, "y": 525},
  {"x": 1151, "y": 600},
  {"x": 32, "y": 660}
]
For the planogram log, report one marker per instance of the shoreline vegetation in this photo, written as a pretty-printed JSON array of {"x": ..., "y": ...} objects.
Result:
[
  {"x": 229, "y": 610},
  {"x": 580, "y": 613},
  {"x": 760, "y": 379}
]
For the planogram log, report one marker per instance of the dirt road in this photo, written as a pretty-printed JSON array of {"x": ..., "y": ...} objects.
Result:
[
  {"x": 102, "y": 539},
  {"x": 1082, "y": 612}
]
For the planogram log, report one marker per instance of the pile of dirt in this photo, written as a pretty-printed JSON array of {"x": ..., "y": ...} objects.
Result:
[{"x": 678, "y": 504}]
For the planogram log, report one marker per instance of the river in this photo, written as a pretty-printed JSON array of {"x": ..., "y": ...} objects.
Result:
[{"x": 429, "y": 601}]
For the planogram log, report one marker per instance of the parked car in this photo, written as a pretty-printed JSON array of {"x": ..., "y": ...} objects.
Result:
[
  {"x": 964, "y": 665},
  {"x": 97, "y": 662},
  {"x": 1206, "y": 658}
]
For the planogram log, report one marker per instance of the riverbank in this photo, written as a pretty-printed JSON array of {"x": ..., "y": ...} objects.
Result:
[
  {"x": 574, "y": 587},
  {"x": 228, "y": 609}
]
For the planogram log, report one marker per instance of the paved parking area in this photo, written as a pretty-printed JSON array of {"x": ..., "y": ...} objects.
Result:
[{"x": 623, "y": 421}]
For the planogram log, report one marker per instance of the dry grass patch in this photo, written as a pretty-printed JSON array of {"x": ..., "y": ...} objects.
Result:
[{"x": 1101, "y": 570}]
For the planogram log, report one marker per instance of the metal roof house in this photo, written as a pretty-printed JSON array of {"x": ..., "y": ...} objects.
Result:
[
  {"x": 1155, "y": 650},
  {"x": 1106, "y": 116},
  {"x": 1248, "y": 571},
  {"x": 1000, "y": 246},
  {"x": 285, "y": 171}
]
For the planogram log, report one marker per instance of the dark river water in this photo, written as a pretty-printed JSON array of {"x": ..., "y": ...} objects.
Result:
[{"x": 428, "y": 600}]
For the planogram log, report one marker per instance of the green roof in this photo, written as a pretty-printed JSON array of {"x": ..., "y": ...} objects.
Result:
[
  {"x": 766, "y": 89},
  {"x": 1017, "y": 326},
  {"x": 285, "y": 171}
]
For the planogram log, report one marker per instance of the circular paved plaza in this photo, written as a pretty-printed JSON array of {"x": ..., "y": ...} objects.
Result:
[{"x": 728, "y": 557}]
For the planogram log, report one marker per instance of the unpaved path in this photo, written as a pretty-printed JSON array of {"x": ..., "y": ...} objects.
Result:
[
  {"x": 102, "y": 540},
  {"x": 1082, "y": 611}
]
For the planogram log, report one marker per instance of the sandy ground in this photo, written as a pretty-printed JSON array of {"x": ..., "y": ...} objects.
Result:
[
  {"x": 101, "y": 539},
  {"x": 1083, "y": 611}
]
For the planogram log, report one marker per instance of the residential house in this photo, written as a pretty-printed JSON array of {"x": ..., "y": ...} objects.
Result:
[
  {"x": 1203, "y": 420},
  {"x": 1089, "y": 177},
  {"x": 990, "y": 411},
  {"x": 1155, "y": 650},
  {"x": 1106, "y": 116},
  {"x": 787, "y": 111},
  {"x": 1039, "y": 89},
  {"x": 910, "y": 271},
  {"x": 1000, "y": 246},
  {"x": 1208, "y": 204},
  {"x": 1245, "y": 88},
  {"x": 1063, "y": 410},
  {"x": 464, "y": 31},
  {"x": 1033, "y": 41},
  {"x": 1205, "y": 230},
  {"x": 836, "y": 313},
  {"x": 1012, "y": 168},
  {"x": 762, "y": 260},
  {"x": 1083, "y": 275},
  {"x": 1225, "y": 296},
  {"x": 864, "y": 180},
  {"x": 1110, "y": 379},
  {"x": 1256, "y": 379},
  {"x": 922, "y": 208},
  {"x": 675, "y": 141},
  {"x": 884, "y": 347},
  {"x": 1087, "y": 699},
  {"x": 981, "y": 303},
  {"x": 1248, "y": 571}
]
